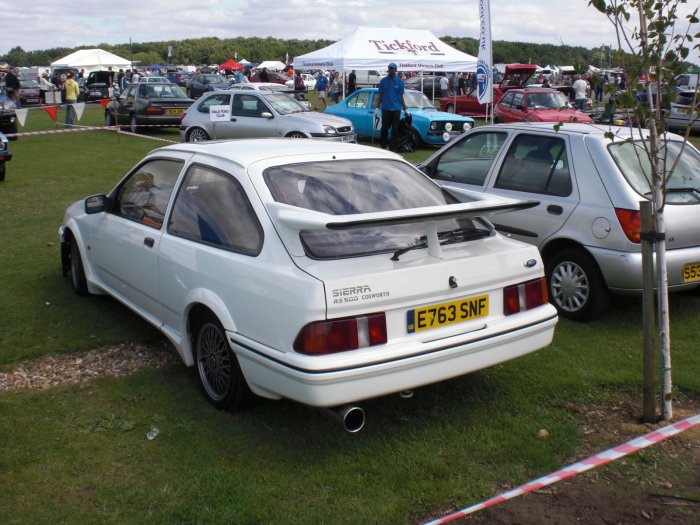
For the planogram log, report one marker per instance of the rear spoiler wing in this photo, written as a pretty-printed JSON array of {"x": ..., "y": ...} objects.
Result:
[{"x": 290, "y": 220}]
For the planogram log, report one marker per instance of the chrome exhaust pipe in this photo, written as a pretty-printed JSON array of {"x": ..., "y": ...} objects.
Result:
[{"x": 352, "y": 417}]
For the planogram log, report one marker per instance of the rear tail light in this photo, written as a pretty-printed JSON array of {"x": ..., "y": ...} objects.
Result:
[
  {"x": 341, "y": 335},
  {"x": 631, "y": 223},
  {"x": 153, "y": 110},
  {"x": 524, "y": 296}
]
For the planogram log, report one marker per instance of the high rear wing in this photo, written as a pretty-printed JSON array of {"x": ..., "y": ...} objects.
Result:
[{"x": 290, "y": 220}]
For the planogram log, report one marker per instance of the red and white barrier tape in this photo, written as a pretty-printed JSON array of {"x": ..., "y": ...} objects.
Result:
[
  {"x": 612, "y": 454},
  {"x": 93, "y": 128}
]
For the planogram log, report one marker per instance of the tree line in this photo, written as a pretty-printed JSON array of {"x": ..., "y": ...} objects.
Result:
[{"x": 213, "y": 50}]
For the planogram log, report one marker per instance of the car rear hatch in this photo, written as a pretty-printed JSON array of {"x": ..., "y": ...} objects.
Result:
[
  {"x": 433, "y": 292},
  {"x": 517, "y": 75}
]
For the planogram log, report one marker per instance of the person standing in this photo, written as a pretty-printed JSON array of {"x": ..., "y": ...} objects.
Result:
[
  {"x": 352, "y": 82},
  {"x": 390, "y": 101},
  {"x": 336, "y": 87},
  {"x": 580, "y": 93},
  {"x": 444, "y": 89},
  {"x": 264, "y": 76},
  {"x": 320, "y": 87},
  {"x": 72, "y": 92},
  {"x": 12, "y": 85}
]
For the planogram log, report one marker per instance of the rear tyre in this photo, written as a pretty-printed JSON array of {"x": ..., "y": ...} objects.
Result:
[
  {"x": 576, "y": 286},
  {"x": 497, "y": 120},
  {"x": 197, "y": 135},
  {"x": 2, "y": 171},
  {"x": 109, "y": 119},
  {"x": 218, "y": 373},
  {"x": 77, "y": 272},
  {"x": 133, "y": 125}
]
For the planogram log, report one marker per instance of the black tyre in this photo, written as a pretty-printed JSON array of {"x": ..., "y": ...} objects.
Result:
[
  {"x": 218, "y": 372},
  {"x": 576, "y": 286},
  {"x": 497, "y": 120},
  {"x": 197, "y": 135},
  {"x": 296, "y": 135},
  {"x": 109, "y": 119},
  {"x": 77, "y": 272},
  {"x": 415, "y": 138},
  {"x": 2, "y": 171},
  {"x": 133, "y": 125}
]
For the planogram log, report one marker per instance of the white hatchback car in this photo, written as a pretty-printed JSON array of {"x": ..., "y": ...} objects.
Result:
[{"x": 321, "y": 272}]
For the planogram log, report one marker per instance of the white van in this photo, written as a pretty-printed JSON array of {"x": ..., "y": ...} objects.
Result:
[{"x": 368, "y": 78}]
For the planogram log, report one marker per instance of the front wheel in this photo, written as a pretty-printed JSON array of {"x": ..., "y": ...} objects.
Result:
[
  {"x": 576, "y": 286},
  {"x": 133, "y": 125},
  {"x": 77, "y": 272},
  {"x": 296, "y": 135},
  {"x": 109, "y": 119},
  {"x": 197, "y": 135},
  {"x": 219, "y": 375}
]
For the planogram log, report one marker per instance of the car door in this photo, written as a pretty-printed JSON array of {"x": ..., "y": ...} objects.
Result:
[
  {"x": 247, "y": 120},
  {"x": 126, "y": 239},
  {"x": 535, "y": 167},
  {"x": 360, "y": 112},
  {"x": 124, "y": 104}
]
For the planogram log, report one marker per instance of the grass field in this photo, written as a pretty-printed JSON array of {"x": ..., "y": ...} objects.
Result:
[{"x": 79, "y": 454}]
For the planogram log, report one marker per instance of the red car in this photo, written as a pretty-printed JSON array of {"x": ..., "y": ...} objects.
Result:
[
  {"x": 275, "y": 78},
  {"x": 537, "y": 105},
  {"x": 516, "y": 76}
]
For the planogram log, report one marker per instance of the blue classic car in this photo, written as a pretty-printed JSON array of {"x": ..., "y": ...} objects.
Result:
[{"x": 430, "y": 126}]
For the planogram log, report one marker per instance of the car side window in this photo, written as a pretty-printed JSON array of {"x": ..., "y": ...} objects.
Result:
[
  {"x": 518, "y": 101},
  {"x": 470, "y": 160},
  {"x": 361, "y": 100},
  {"x": 212, "y": 208},
  {"x": 536, "y": 164},
  {"x": 219, "y": 99},
  {"x": 143, "y": 197},
  {"x": 507, "y": 100}
]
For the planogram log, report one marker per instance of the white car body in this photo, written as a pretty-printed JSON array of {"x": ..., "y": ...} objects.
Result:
[
  {"x": 309, "y": 82},
  {"x": 263, "y": 300}
]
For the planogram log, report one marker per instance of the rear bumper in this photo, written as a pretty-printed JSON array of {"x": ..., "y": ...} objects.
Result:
[
  {"x": 276, "y": 376},
  {"x": 623, "y": 271}
]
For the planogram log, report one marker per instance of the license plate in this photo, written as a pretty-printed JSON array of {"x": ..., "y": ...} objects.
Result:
[
  {"x": 684, "y": 110},
  {"x": 691, "y": 273},
  {"x": 444, "y": 314},
  {"x": 173, "y": 111},
  {"x": 349, "y": 138}
]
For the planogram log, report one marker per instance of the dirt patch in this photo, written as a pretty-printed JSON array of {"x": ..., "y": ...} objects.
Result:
[
  {"x": 117, "y": 360},
  {"x": 662, "y": 487}
]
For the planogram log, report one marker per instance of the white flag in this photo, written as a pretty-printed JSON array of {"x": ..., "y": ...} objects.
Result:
[{"x": 484, "y": 73}]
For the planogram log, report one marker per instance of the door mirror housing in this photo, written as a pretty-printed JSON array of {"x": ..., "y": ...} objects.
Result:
[{"x": 95, "y": 204}]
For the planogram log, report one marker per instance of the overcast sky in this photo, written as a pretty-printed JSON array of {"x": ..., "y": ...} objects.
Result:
[{"x": 43, "y": 24}]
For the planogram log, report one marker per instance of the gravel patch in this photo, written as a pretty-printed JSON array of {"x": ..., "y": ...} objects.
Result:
[{"x": 116, "y": 360}]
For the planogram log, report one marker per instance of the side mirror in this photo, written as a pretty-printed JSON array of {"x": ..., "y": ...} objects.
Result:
[
  {"x": 266, "y": 114},
  {"x": 95, "y": 204}
]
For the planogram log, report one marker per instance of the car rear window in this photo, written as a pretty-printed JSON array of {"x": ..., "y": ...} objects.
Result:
[
  {"x": 351, "y": 187},
  {"x": 683, "y": 187}
]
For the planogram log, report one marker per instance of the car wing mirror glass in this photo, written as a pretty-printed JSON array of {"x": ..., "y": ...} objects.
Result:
[{"x": 95, "y": 204}]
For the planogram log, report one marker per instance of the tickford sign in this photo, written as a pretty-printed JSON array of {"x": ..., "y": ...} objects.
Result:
[{"x": 406, "y": 46}]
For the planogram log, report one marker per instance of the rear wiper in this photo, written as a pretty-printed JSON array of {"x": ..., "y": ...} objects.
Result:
[
  {"x": 447, "y": 237},
  {"x": 682, "y": 190}
]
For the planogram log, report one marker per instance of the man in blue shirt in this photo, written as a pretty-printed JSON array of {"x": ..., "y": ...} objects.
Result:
[
  {"x": 390, "y": 101},
  {"x": 321, "y": 87}
]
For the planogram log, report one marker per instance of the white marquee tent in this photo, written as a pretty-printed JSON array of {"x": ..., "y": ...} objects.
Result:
[
  {"x": 92, "y": 60},
  {"x": 272, "y": 65},
  {"x": 375, "y": 47}
]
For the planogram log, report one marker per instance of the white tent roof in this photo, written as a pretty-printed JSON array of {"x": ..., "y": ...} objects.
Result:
[
  {"x": 92, "y": 60},
  {"x": 376, "y": 47},
  {"x": 273, "y": 65}
]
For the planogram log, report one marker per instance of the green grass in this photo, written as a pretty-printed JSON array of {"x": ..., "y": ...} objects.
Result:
[{"x": 79, "y": 453}]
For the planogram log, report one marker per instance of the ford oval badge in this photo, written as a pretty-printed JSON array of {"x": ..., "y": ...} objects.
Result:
[{"x": 530, "y": 263}]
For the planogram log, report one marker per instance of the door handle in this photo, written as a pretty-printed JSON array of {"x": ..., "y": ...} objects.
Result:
[
  {"x": 555, "y": 209},
  {"x": 148, "y": 241}
]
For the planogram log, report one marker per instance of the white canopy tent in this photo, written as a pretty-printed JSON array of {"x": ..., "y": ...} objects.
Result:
[
  {"x": 272, "y": 65},
  {"x": 374, "y": 48},
  {"x": 92, "y": 60}
]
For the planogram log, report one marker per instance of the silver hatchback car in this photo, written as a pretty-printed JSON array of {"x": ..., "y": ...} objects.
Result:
[
  {"x": 256, "y": 114},
  {"x": 587, "y": 222}
]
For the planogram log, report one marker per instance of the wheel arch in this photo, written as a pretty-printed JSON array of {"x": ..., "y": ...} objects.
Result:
[
  {"x": 201, "y": 303},
  {"x": 70, "y": 233}
]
